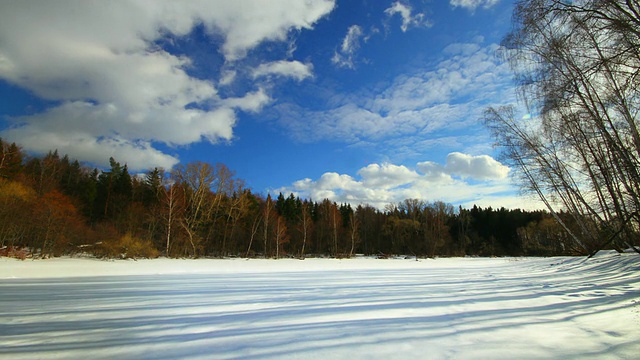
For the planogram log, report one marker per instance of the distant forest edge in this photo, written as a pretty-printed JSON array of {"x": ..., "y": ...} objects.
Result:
[{"x": 52, "y": 206}]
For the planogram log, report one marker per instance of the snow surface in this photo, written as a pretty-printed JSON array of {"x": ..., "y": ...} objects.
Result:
[{"x": 464, "y": 308}]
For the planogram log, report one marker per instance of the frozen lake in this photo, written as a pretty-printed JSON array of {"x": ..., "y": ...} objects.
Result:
[{"x": 321, "y": 308}]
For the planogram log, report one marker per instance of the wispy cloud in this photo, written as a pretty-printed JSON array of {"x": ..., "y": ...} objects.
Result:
[
  {"x": 345, "y": 55},
  {"x": 444, "y": 100},
  {"x": 409, "y": 19},
  {"x": 473, "y": 4},
  {"x": 227, "y": 77},
  {"x": 292, "y": 69},
  {"x": 117, "y": 92}
]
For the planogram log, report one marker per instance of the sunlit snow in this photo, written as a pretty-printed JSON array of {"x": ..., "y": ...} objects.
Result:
[{"x": 467, "y": 308}]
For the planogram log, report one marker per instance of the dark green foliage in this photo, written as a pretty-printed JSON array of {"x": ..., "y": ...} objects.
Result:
[
  {"x": 114, "y": 191},
  {"x": 10, "y": 160}
]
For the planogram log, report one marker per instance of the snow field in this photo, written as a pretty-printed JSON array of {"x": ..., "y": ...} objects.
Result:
[{"x": 467, "y": 308}]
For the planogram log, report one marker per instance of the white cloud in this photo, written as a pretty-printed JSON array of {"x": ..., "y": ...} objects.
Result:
[
  {"x": 465, "y": 166},
  {"x": 246, "y": 24},
  {"x": 139, "y": 154},
  {"x": 473, "y": 4},
  {"x": 117, "y": 92},
  {"x": 482, "y": 167},
  {"x": 407, "y": 18},
  {"x": 453, "y": 182},
  {"x": 345, "y": 56},
  {"x": 439, "y": 105},
  {"x": 332, "y": 180},
  {"x": 252, "y": 102},
  {"x": 227, "y": 77},
  {"x": 292, "y": 69},
  {"x": 386, "y": 176}
]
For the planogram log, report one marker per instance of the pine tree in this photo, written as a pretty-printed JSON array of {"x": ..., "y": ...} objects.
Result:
[{"x": 10, "y": 160}]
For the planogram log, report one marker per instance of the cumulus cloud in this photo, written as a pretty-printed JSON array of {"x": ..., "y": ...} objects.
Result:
[
  {"x": 481, "y": 167},
  {"x": 116, "y": 92},
  {"x": 247, "y": 24},
  {"x": 408, "y": 19},
  {"x": 292, "y": 69},
  {"x": 381, "y": 184},
  {"x": 473, "y": 4},
  {"x": 386, "y": 176},
  {"x": 345, "y": 55}
]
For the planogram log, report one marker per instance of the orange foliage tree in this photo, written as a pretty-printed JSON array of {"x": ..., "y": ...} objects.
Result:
[{"x": 60, "y": 224}]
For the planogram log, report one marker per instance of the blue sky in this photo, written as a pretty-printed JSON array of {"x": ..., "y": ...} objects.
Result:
[{"x": 357, "y": 101}]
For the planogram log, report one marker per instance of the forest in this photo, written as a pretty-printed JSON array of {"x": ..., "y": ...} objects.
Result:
[{"x": 52, "y": 205}]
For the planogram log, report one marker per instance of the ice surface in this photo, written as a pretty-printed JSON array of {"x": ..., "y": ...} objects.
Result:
[{"x": 466, "y": 308}]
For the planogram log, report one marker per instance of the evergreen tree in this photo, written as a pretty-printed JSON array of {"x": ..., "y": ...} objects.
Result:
[{"x": 10, "y": 160}]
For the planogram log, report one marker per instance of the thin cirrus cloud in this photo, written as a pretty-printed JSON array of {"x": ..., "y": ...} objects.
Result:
[
  {"x": 426, "y": 103},
  {"x": 116, "y": 93},
  {"x": 473, "y": 4},
  {"x": 463, "y": 179},
  {"x": 409, "y": 19},
  {"x": 345, "y": 56},
  {"x": 283, "y": 68}
]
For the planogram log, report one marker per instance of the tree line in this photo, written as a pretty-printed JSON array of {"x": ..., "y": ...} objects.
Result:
[{"x": 53, "y": 205}]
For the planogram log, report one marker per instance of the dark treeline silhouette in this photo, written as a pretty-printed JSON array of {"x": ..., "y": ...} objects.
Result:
[{"x": 53, "y": 205}]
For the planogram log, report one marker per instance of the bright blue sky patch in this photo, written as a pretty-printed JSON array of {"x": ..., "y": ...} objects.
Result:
[{"x": 360, "y": 101}]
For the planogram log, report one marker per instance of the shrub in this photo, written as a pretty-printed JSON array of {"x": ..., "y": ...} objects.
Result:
[
  {"x": 127, "y": 247},
  {"x": 15, "y": 252}
]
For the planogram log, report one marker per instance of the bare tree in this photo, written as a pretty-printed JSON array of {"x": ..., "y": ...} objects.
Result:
[
  {"x": 354, "y": 226},
  {"x": 267, "y": 215},
  {"x": 305, "y": 225},
  {"x": 172, "y": 201},
  {"x": 236, "y": 206},
  {"x": 335, "y": 215},
  {"x": 196, "y": 179},
  {"x": 280, "y": 234},
  {"x": 254, "y": 230},
  {"x": 577, "y": 64}
]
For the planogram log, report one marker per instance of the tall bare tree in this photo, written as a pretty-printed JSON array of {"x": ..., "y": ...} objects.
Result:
[
  {"x": 354, "y": 236},
  {"x": 196, "y": 179},
  {"x": 305, "y": 225},
  {"x": 280, "y": 234},
  {"x": 577, "y": 64},
  {"x": 172, "y": 202},
  {"x": 267, "y": 217}
]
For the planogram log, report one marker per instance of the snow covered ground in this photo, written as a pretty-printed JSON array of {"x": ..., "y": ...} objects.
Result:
[{"x": 470, "y": 308}]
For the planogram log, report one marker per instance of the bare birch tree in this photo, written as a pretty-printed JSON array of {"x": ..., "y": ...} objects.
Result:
[
  {"x": 305, "y": 225},
  {"x": 267, "y": 215},
  {"x": 196, "y": 179},
  {"x": 354, "y": 227},
  {"x": 172, "y": 202},
  {"x": 577, "y": 64}
]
